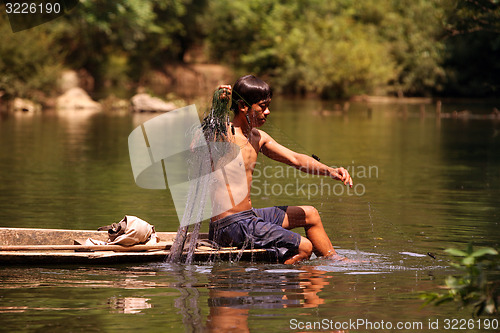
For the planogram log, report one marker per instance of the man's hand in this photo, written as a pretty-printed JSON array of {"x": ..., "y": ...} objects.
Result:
[
  {"x": 226, "y": 91},
  {"x": 342, "y": 175}
]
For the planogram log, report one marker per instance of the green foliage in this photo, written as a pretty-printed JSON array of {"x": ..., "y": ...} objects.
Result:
[
  {"x": 413, "y": 29},
  {"x": 471, "y": 287},
  {"x": 97, "y": 32},
  {"x": 332, "y": 56},
  {"x": 330, "y": 48},
  {"x": 468, "y": 16},
  {"x": 29, "y": 62},
  {"x": 116, "y": 40},
  {"x": 472, "y": 31}
]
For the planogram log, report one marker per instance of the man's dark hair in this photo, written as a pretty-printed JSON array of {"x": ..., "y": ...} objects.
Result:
[{"x": 250, "y": 90}]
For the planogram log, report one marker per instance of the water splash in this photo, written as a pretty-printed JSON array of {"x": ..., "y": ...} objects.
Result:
[{"x": 365, "y": 263}]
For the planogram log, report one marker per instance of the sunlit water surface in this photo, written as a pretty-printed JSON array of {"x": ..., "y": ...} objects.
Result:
[{"x": 422, "y": 184}]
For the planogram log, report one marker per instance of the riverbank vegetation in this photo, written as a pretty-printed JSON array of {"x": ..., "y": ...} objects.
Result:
[
  {"x": 473, "y": 287},
  {"x": 329, "y": 49}
]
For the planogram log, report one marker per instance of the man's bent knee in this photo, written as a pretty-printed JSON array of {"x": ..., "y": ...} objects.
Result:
[
  {"x": 305, "y": 246},
  {"x": 305, "y": 251},
  {"x": 312, "y": 215},
  {"x": 301, "y": 216}
]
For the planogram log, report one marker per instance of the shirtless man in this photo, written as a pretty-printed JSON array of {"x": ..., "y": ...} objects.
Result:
[{"x": 270, "y": 227}]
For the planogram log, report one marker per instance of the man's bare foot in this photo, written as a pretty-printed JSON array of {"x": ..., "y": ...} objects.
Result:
[
  {"x": 339, "y": 258},
  {"x": 336, "y": 257}
]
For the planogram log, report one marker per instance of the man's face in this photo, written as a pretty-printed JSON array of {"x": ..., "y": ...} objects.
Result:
[{"x": 259, "y": 112}]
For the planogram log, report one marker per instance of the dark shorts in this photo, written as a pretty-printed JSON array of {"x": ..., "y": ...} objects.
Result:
[{"x": 258, "y": 228}]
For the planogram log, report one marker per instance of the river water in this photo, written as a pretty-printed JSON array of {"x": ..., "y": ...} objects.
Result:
[{"x": 422, "y": 184}]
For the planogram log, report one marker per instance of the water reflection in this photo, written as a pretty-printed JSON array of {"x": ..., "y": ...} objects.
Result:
[
  {"x": 188, "y": 301},
  {"x": 130, "y": 305},
  {"x": 221, "y": 296},
  {"x": 438, "y": 186},
  {"x": 234, "y": 291}
]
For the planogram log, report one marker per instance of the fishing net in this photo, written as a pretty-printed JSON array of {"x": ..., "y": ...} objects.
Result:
[{"x": 215, "y": 155}]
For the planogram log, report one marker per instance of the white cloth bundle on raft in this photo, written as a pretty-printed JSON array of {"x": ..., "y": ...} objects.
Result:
[{"x": 131, "y": 230}]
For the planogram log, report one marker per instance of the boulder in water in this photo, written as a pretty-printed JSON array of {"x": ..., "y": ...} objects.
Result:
[
  {"x": 147, "y": 103},
  {"x": 76, "y": 98},
  {"x": 25, "y": 105}
]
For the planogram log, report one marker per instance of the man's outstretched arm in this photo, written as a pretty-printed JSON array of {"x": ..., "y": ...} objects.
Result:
[{"x": 305, "y": 163}]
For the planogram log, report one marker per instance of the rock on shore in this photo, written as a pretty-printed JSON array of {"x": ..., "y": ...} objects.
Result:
[
  {"x": 147, "y": 103},
  {"x": 25, "y": 105},
  {"x": 76, "y": 98}
]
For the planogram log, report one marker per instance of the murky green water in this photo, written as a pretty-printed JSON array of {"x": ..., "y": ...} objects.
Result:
[{"x": 423, "y": 185}]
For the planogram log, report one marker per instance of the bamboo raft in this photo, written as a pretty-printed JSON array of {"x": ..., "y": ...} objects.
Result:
[{"x": 31, "y": 246}]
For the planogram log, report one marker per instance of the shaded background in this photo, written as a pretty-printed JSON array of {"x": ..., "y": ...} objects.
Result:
[{"x": 328, "y": 49}]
